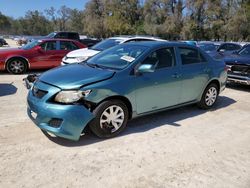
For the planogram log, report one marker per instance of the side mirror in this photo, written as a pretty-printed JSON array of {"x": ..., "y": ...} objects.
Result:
[
  {"x": 221, "y": 50},
  {"x": 146, "y": 68}
]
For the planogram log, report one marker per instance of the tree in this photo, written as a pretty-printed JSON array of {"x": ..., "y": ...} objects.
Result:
[
  {"x": 76, "y": 21},
  {"x": 5, "y": 23},
  {"x": 94, "y": 19}
]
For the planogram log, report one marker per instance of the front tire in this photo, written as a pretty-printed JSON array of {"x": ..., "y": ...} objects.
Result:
[
  {"x": 16, "y": 66},
  {"x": 209, "y": 96},
  {"x": 111, "y": 119}
]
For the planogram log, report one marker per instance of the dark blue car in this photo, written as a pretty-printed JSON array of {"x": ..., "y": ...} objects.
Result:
[{"x": 239, "y": 66}]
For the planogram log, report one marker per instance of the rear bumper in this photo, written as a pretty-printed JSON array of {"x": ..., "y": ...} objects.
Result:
[
  {"x": 73, "y": 118},
  {"x": 239, "y": 79}
]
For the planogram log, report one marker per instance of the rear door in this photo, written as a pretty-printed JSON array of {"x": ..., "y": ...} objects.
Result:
[
  {"x": 194, "y": 73},
  {"x": 161, "y": 88}
]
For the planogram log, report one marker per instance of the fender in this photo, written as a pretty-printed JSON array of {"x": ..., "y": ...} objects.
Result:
[{"x": 16, "y": 56}]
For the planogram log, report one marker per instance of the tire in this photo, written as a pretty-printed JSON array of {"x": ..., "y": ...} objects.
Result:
[
  {"x": 209, "y": 96},
  {"x": 104, "y": 126},
  {"x": 1, "y": 44},
  {"x": 17, "y": 66}
]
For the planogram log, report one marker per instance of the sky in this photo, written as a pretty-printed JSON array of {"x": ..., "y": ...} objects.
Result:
[{"x": 18, "y": 8}]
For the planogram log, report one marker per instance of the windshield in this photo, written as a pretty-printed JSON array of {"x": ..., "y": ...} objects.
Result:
[
  {"x": 30, "y": 45},
  {"x": 117, "y": 57},
  {"x": 108, "y": 43},
  {"x": 51, "y": 35},
  {"x": 207, "y": 47},
  {"x": 245, "y": 51}
]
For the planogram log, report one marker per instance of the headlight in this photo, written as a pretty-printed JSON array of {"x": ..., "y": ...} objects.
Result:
[
  {"x": 71, "y": 96},
  {"x": 81, "y": 58}
]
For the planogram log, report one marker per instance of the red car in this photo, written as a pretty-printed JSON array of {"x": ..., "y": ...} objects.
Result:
[{"x": 38, "y": 54}]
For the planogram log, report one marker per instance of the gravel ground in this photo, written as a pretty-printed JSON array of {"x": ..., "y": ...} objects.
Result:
[{"x": 185, "y": 147}]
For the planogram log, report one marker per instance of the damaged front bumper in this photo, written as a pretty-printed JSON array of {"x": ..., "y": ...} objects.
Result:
[{"x": 67, "y": 121}]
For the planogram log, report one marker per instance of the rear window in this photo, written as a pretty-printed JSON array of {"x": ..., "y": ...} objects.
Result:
[
  {"x": 108, "y": 43},
  {"x": 191, "y": 56},
  {"x": 73, "y": 36}
]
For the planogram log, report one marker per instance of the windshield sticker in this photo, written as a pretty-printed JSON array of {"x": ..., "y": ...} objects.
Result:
[{"x": 127, "y": 58}]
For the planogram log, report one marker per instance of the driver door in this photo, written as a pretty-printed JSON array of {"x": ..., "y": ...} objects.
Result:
[
  {"x": 161, "y": 88},
  {"x": 46, "y": 57}
]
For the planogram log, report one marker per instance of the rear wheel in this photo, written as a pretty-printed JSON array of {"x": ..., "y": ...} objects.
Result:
[
  {"x": 209, "y": 96},
  {"x": 111, "y": 118},
  {"x": 16, "y": 66}
]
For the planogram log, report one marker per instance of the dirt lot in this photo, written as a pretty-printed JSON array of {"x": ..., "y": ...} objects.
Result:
[{"x": 185, "y": 147}]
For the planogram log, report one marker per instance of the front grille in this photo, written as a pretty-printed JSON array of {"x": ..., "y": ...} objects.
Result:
[
  {"x": 240, "y": 69},
  {"x": 38, "y": 92},
  {"x": 55, "y": 122}
]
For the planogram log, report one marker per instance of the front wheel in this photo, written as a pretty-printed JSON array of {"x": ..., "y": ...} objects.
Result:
[
  {"x": 111, "y": 118},
  {"x": 209, "y": 96},
  {"x": 16, "y": 66}
]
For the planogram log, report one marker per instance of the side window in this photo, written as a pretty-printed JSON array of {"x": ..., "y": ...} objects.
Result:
[
  {"x": 161, "y": 58},
  {"x": 61, "y": 35},
  {"x": 138, "y": 40},
  {"x": 233, "y": 47},
  {"x": 143, "y": 40},
  {"x": 50, "y": 45},
  {"x": 73, "y": 36},
  {"x": 67, "y": 45},
  {"x": 191, "y": 56},
  {"x": 223, "y": 47},
  {"x": 132, "y": 40}
]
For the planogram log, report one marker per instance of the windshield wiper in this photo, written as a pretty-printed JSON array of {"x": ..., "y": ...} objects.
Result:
[{"x": 93, "y": 65}]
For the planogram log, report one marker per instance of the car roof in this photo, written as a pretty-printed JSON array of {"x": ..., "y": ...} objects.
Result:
[
  {"x": 56, "y": 39},
  {"x": 156, "y": 44},
  {"x": 129, "y": 37}
]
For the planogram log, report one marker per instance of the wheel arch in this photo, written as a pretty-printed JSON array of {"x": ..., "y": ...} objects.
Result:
[
  {"x": 214, "y": 81},
  {"x": 16, "y": 57},
  {"x": 125, "y": 100}
]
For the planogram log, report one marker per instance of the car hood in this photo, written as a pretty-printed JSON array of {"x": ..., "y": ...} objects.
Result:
[
  {"x": 82, "y": 52},
  {"x": 236, "y": 59},
  {"x": 74, "y": 76},
  {"x": 11, "y": 51}
]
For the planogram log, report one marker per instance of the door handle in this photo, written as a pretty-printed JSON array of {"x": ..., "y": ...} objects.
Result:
[
  {"x": 206, "y": 70},
  {"x": 176, "y": 75}
]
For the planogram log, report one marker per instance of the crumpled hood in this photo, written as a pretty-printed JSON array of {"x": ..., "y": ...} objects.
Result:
[
  {"x": 74, "y": 76},
  {"x": 82, "y": 52},
  {"x": 236, "y": 59}
]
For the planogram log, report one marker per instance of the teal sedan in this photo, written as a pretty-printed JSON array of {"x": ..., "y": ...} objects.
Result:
[{"x": 121, "y": 83}]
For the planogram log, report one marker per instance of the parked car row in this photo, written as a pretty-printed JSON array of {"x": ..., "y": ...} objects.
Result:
[{"x": 49, "y": 53}]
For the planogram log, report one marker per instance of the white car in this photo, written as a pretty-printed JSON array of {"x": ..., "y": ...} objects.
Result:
[{"x": 81, "y": 55}]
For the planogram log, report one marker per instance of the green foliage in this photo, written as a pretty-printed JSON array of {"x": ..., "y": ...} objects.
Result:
[{"x": 169, "y": 19}]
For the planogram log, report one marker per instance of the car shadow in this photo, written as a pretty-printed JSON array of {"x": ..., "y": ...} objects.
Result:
[
  {"x": 239, "y": 87},
  {"x": 149, "y": 122},
  {"x": 7, "y": 89}
]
